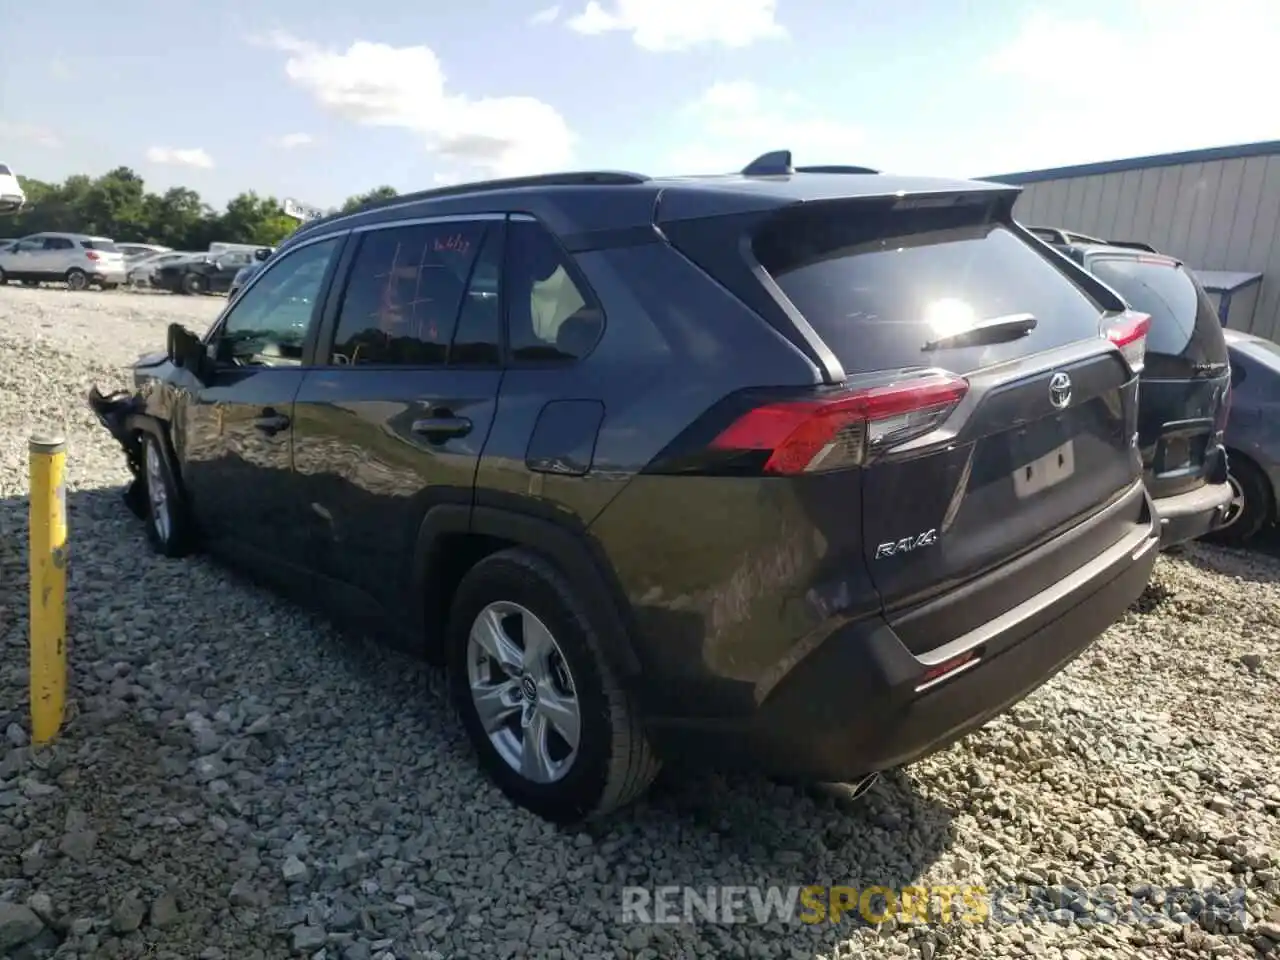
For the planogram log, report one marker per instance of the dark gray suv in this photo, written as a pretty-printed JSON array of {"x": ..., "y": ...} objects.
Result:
[{"x": 805, "y": 470}]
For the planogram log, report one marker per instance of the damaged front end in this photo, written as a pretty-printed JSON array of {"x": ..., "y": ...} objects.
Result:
[{"x": 115, "y": 411}]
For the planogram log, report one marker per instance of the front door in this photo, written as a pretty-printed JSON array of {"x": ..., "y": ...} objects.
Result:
[
  {"x": 394, "y": 416},
  {"x": 237, "y": 428}
]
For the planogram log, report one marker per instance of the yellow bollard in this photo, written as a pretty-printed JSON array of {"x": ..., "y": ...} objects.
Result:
[{"x": 48, "y": 558}]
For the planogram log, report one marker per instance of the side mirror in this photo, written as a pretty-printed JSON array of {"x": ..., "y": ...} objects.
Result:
[
  {"x": 186, "y": 350},
  {"x": 261, "y": 254}
]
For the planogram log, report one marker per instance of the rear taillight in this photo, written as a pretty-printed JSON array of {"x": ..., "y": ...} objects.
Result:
[
  {"x": 843, "y": 430},
  {"x": 1129, "y": 333},
  {"x": 92, "y": 255}
]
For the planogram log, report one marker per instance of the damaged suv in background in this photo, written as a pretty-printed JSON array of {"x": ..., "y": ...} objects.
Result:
[{"x": 806, "y": 470}]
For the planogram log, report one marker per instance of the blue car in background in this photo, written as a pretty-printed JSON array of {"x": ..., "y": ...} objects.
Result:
[{"x": 1252, "y": 438}]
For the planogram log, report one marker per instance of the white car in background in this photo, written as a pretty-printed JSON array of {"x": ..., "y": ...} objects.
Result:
[
  {"x": 79, "y": 260},
  {"x": 12, "y": 197},
  {"x": 136, "y": 251}
]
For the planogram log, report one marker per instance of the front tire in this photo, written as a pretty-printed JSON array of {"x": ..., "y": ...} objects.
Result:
[
  {"x": 77, "y": 279},
  {"x": 193, "y": 284},
  {"x": 549, "y": 721},
  {"x": 168, "y": 527},
  {"x": 1251, "y": 507}
]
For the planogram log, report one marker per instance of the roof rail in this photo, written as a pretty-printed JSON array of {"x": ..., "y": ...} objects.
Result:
[
  {"x": 1133, "y": 245},
  {"x": 772, "y": 164},
  {"x": 1058, "y": 235},
  {"x": 835, "y": 168},
  {"x": 573, "y": 179}
]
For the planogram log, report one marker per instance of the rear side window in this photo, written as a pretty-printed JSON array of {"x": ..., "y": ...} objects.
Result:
[
  {"x": 58, "y": 243},
  {"x": 105, "y": 246},
  {"x": 1183, "y": 321},
  {"x": 550, "y": 315},
  {"x": 403, "y": 296},
  {"x": 878, "y": 283}
]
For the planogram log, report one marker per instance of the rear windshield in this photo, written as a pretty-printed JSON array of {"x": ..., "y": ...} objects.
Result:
[
  {"x": 878, "y": 283},
  {"x": 106, "y": 246},
  {"x": 1184, "y": 322}
]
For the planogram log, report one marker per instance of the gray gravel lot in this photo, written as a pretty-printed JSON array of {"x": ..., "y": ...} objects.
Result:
[{"x": 239, "y": 780}]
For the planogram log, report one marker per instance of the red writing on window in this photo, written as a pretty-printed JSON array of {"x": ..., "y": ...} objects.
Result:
[{"x": 454, "y": 244}]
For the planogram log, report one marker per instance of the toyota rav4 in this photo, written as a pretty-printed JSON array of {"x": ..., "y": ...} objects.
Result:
[{"x": 809, "y": 470}]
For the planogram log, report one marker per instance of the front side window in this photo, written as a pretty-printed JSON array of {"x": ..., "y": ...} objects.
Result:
[
  {"x": 30, "y": 244},
  {"x": 269, "y": 322},
  {"x": 404, "y": 293},
  {"x": 550, "y": 316}
]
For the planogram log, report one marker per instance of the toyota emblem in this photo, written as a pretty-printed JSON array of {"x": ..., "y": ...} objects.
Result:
[{"x": 1060, "y": 390}]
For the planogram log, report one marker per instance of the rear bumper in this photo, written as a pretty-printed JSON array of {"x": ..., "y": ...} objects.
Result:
[
  {"x": 1192, "y": 514},
  {"x": 859, "y": 702}
]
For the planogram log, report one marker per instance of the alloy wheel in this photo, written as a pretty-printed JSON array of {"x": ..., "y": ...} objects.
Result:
[
  {"x": 158, "y": 494},
  {"x": 523, "y": 692}
]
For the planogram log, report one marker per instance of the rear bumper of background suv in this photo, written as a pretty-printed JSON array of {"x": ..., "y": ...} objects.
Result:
[
  {"x": 857, "y": 704},
  {"x": 1196, "y": 512}
]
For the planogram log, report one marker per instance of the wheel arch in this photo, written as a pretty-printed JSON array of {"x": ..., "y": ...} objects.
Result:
[
  {"x": 454, "y": 537},
  {"x": 138, "y": 424}
]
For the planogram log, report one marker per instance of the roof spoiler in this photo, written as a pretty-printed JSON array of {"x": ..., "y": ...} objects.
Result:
[{"x": 777, "y": 163}]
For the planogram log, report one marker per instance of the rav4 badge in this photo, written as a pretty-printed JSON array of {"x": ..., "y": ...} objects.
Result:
[{"x": 907, "y": 544}]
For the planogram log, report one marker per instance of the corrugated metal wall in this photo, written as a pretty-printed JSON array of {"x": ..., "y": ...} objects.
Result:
[{"x": 1218, "y": 215}]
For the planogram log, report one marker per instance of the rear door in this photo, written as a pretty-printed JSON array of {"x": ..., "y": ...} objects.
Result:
[
  {"x": 1043, "y": 438},
  {"x": 1185, "y": 383},
  {"x": 395, "y": 415}
]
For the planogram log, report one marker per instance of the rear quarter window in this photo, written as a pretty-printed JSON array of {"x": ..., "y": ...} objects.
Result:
[
  {"x": 878, "y": 283},
  {"x": 1184, "y": 322}
]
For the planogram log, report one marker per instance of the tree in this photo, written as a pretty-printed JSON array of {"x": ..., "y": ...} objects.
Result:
[
  {"x": 360, "y": 199},
  {"x": 117, "y": 205}
]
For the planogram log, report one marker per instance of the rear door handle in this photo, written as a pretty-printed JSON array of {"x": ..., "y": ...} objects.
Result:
[
  {"x": 271, "y": 423},
  {"x": 442, "y": 428}
]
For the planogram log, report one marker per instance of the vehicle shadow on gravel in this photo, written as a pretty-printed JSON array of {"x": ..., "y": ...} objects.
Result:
[
  {"x": 269, "y": 773},
  {"x": 1259, "y": 562}
]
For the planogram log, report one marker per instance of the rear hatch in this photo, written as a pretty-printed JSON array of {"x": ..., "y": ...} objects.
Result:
[
  {"x": 104, "y": 254},
  {"x": 1185, "y": 385},
  {"x": 1039, "y": 436}
]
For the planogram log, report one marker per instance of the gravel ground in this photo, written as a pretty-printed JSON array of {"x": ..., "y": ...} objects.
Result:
[{"x": 239, "y": 780}]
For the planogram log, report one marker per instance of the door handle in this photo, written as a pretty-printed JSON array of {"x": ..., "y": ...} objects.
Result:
[
  {"x": 438, "y": 429},
  {"x": 271, "y": 423}
]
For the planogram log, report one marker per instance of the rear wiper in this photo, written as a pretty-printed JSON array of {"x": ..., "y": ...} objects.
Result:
[{"x": 996, "y": 329}]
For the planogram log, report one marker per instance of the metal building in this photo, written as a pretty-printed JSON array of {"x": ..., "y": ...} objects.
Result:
[{"x": 1217, "y": 210}]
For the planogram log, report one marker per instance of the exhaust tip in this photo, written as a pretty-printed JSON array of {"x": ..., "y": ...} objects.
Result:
[{"x": 846, "y": 794}]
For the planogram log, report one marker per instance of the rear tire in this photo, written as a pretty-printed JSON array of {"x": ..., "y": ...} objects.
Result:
[
  {"x": 77, "y": 279},
  {"x": 3, "y": 279},
  {"x": 1252, "y": 507},
  {"x": 168, "y": 525},
  {"x": 545, "y": 684},
  {"x": 193, "y": 284}
]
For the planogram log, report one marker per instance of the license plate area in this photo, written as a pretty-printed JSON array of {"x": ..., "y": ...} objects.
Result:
[{"x": 1042, "y": 473}]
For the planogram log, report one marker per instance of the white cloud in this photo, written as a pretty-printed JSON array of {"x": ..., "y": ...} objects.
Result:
[
  {"x": 676, "y": 25},
  {"x": 291, "y": 140},
  {"x": 1173, "y": 90},
  {"x": 378, "y": 85},
  {"x": 545, "y": 16},
  {"x": 194, "y": 157},
  {"x": 737, "y": 121},
  {"x": 27, "y": 133}
]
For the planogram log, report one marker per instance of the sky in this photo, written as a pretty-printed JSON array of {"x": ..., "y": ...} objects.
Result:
[{"x": 322, "y": 99}]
